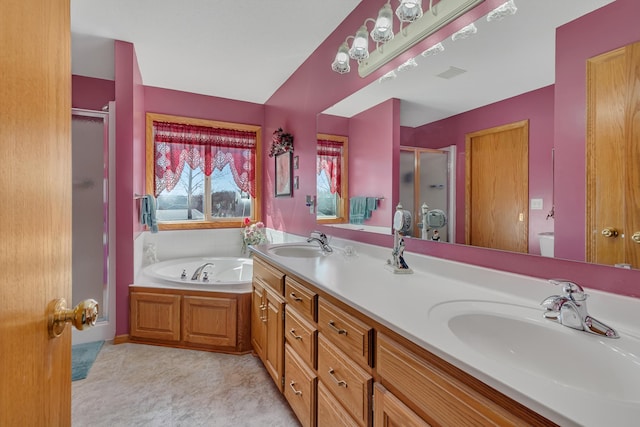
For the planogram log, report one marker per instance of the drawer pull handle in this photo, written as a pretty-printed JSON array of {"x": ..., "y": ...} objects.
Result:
[
  {"x": 295, "y": 297},
  {"x": 293, "y": 332},
  {"x": 332, "y": 325},
  {"x": 296, "y": 392},
  {"x": 340, "y": 383}
]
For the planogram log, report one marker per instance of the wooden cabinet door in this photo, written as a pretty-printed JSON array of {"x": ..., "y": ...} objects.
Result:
[
  {"x": 209, "y": 321},
  {"x": 274, "y": 343},
  {"x": 258, "y": 319},
  {"x": 155, "y": 316},
  {"x": 389, "y": 411}
]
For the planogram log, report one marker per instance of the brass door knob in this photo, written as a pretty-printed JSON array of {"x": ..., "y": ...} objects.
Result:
[
  {"x": 610, "y": 232},
  {"x": 82, "y": 316},
  {"x": 636, "y": 237}
]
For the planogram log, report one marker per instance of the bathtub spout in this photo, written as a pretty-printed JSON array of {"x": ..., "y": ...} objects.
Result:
[{"x": 198, "y": 272}]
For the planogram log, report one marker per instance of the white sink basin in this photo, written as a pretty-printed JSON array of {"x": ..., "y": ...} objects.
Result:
[
  {"x": 297, "y": 251},
  {"x": 519, "y": 337}
]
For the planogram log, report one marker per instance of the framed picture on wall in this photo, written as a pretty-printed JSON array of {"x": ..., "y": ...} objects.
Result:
[{"x": 284, "y": 174}]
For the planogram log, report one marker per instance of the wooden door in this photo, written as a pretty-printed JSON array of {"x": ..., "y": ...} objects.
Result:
[
  {"x": 613, "y": 156},
  {"x": 497, "y": 188},
  {"x": 35, "y": 211}
]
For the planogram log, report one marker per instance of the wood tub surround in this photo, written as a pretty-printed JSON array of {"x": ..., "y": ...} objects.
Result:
[
  {"x": 191, "y": 319},
  {"x": 349, "y": 369}
]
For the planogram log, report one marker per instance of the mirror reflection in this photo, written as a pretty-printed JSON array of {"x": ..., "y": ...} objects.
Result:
[{"x": 452, "y": 109}]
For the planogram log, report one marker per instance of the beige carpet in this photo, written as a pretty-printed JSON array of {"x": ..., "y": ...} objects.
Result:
[{"x": 141, "y": 385}]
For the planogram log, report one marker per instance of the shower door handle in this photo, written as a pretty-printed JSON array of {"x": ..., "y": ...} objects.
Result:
[{"x": 82, "y": 316}]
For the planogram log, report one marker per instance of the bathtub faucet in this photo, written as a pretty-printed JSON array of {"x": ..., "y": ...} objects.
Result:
[{"x": 198, "y": 272}]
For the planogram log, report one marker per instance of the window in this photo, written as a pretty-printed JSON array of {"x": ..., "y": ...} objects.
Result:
[
  {"x": 203, "y": 173},
  {"x": 331, "y": 182}
]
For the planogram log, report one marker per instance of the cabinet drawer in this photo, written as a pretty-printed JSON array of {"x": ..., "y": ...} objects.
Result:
[
  {"x": 349, "y": 383},
  {"x": 330, "y": 412},
  {"x": 300, "y": 387},
  {"x": 348, "y": 333},
  {"x": 298, "y": 296},
  {"x": 301, "y": 335},
  {"x": 442, "y": 398},
  {"x": 269, "y": 274}
]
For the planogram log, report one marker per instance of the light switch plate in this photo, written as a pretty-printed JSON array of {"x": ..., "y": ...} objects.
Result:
[{"x": 536, "y": 204}]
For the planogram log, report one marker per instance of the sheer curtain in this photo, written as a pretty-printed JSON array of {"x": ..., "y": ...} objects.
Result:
[{"x": 204, "y": 148}]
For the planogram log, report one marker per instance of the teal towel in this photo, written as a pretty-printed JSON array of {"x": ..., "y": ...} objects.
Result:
[
  {"x": 357, "y": 210},
  {"x": 372, "y": 205},
  {"x": 148, "y": 212}
]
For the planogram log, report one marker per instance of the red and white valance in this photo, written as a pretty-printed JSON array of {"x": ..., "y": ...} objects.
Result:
[{"x": 204, "y": 148}]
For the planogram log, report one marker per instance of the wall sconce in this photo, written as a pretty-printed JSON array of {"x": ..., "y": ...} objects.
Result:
[{"x": 389, "y": 46}]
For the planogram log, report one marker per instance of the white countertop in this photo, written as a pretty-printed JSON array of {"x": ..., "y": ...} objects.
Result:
[{"x": 408, "y": 304}]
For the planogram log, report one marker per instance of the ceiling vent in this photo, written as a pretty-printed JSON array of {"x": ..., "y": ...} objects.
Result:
[{"x": 451, "y": 73}]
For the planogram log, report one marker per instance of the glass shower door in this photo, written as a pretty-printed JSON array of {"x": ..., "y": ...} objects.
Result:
[{"x": 90, "y": 203}]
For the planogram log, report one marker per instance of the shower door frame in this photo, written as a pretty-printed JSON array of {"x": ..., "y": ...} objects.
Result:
[{"x": 105, "y": 327}]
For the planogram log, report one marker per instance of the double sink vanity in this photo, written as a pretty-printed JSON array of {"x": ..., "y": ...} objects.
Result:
[{"x": 350, "y": 343}]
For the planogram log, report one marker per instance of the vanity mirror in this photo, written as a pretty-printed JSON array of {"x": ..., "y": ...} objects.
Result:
[{"x": 503, "y": 74}]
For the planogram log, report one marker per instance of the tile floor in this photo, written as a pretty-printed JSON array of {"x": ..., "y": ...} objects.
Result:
[{"x": 142, "y": 385}]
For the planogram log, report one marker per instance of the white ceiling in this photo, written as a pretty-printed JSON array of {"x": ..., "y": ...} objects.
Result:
[
  {"x": 247, "y": 50},
  {"x": 241, "y": 50}
]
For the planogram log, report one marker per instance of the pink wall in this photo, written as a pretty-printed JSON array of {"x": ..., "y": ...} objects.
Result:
[
  {"x": 535, "y": 106},
  {"x": 129, "y": 172},
  {"x": 90, "y": 93},
  {"x": 177, "y": 103},
  {"x": 333, "y": 125},
  {"x": 608, "y": 28},
  {"x": 373, "y": 140}
]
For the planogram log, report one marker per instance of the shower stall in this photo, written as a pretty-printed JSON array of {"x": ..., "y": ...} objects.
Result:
[{"x": 93, "y": 222}]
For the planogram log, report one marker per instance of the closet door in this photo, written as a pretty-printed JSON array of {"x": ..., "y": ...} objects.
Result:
[
  {"x": 497, "y": 188},
  {"x": 613, "y": 157}
]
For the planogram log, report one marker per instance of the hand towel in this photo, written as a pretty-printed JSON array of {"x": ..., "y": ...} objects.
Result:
[
  {"x": 148, "y": 212},
  {"x": 371, "y": 205},
  {"x": 357, "y": 210}
]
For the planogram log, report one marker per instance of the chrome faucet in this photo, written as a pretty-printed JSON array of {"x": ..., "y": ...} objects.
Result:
[
  {"x": 570, "y": 309},
  {"x": 321, "y": 238},
  {"x": 198, "y": 272}
]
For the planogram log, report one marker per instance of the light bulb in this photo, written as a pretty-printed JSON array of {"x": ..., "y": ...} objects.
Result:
[
  {"x": 383, "y": 30},
  {"x": 360, "y": 46},
  {"x": 341, "y": 62},
  {"x": 409, "y": 10}
]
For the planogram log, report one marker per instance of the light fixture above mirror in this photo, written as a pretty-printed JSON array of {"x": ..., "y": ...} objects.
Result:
[{"x": 388, "y": 45}]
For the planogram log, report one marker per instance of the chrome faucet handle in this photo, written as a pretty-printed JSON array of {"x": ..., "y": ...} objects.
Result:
[
  {"x": 320, "y": 234},
  {"x": 572, "y": 290},
  {"x": 553, "y": 303}
]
